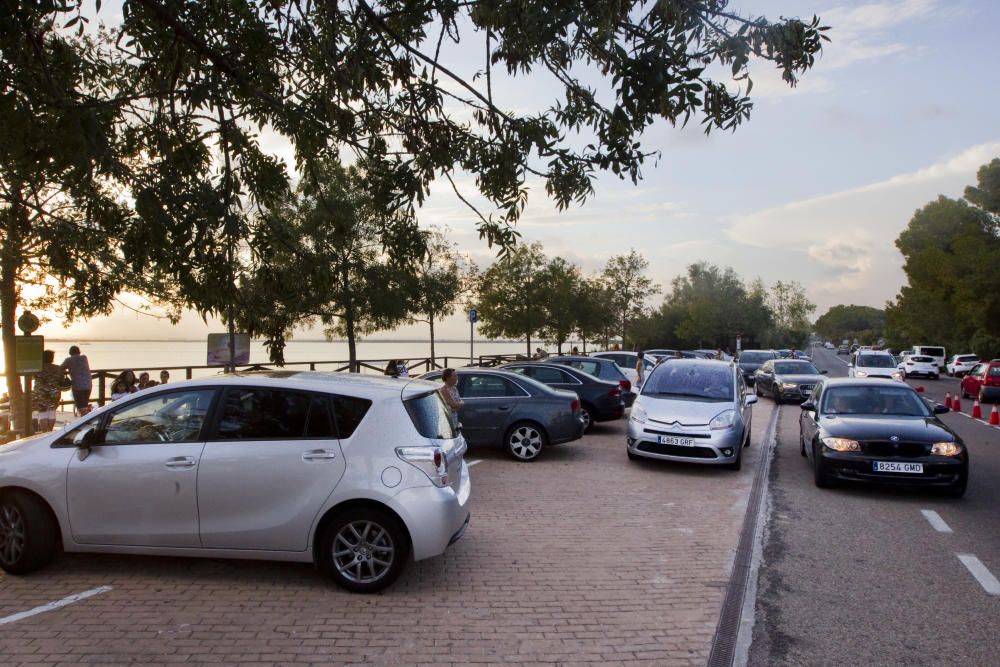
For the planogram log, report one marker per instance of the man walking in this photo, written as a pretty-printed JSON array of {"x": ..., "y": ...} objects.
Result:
[{"x": 79, "y": 372}]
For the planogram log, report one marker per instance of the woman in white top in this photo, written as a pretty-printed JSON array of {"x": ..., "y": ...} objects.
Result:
[{"x": 640, "y": 367}]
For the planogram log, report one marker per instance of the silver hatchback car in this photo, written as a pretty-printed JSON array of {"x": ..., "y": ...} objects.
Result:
[
  {"x": 693, "y": 410},
  {"x": 356, "y": 474}
]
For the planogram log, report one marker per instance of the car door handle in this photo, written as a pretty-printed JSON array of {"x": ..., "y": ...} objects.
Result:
[
  {"x": 319, "y": 455},
  {"x": 503, "y": 408},
  {"x": 180, "y": 463}
]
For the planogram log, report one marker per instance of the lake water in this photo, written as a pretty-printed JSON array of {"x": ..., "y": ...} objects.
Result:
[{"x": 143, "y": 354}]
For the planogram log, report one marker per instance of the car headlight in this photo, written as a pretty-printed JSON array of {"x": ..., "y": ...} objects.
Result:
[
  {"x": 860, "y": 374},
  {"x": 897, "y": 375},
  {"x": 842, "y": 444},
  {"x": 723, "y": 420},
  {"x": 638, "y": 414},
  {"x": 946, "y": 448}
]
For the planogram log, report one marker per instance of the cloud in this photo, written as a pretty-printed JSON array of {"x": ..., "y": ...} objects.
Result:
[{"x": 841, "y": 245}]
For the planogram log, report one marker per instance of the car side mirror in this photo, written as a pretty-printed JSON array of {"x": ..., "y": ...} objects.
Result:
[
  {"x": 823, "y": 372},
  {"x": 941, "y": 409},
  {"x": 750, "y": 399},
  {"x": 808, "y": 405},
  {"x": 85, "y": 440}
]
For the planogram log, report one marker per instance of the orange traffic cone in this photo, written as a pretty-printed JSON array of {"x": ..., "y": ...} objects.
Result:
[
  {"x": 977, "y": 410},
  {"x": 995, "y": 416},
  {"x": 947, "y": 400},
  {"x": 956, "y": 403}
]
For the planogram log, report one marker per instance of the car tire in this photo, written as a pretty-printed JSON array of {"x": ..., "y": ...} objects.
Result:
[
  {"x": 588, "y": 416},
  {"x": 350, "y": 559},
  {"x": 957, "y": 490},
  {"x": 819, "y": 474},
  {"x": 29, "y": 534},
  {"x": 965, "y": 394},
  {"x": 524, "y": 441},
  {"x": 802, "y": 445},
  {"x": 934, "y": 377}
]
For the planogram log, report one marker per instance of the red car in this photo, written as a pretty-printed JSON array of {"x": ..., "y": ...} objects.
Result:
[{"x": 983, "y": 382}]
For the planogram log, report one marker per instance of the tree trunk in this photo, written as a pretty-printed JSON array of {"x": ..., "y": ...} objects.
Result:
[
  {"x": 10, "y": 261},
  {"x": 352, "y": 351}
]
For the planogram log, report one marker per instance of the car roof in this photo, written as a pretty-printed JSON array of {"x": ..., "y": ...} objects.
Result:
[
  {"x": 579, "y": 358},
  {"x": 856, "y": 382},
  {"x": 369, "y": 386}
]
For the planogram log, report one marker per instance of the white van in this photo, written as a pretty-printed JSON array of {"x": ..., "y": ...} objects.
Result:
[{"x": 935, "y": 351}]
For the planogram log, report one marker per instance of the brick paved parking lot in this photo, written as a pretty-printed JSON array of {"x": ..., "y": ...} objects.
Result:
[{"x": 579, "y": 557}]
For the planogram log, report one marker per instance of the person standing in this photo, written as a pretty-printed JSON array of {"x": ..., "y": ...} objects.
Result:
[
  {"x": 145, "y": 382},
  {"x": 164, "y": 377},
  {"x": 79, "y": 374},
  {"x": 402, "y": 370},
  {"x": 123, "y": 385},
  {"x": 640, "y": 368},
  {"x": 47, "y": 391},
  {"x": 449, "y": 392}
]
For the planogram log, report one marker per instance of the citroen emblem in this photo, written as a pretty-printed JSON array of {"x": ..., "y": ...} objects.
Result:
[{"x": 894, "y": 438}]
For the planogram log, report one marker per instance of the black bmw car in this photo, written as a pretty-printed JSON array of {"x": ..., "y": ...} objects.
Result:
[{"x": 880, "y": 431}]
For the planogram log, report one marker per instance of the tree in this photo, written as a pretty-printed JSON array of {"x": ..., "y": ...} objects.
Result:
[
  {"x": 849, "y": 322},
  {"x": 332, "y": 254},
  {"x": 791, "y": 309},
  {"x": 628, "y": 289},
  {"x": 559, "y": 291},
  {"x": 439, "y": 282},
  {"x": 509, "y": 295},
  {"x": 593, "y": 310}
]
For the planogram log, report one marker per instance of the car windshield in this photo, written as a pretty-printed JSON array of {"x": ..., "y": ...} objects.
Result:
[
  {"x": 967, "y": 359},
  {"x": 793, "y": 368},
  {"x": 896, "y": 401},
  {"x": 876, "y": 361},
  {"x": 933, "y": 351},
  {"x": 755, "y": 357},
  {"x": 700, "y": 381}
]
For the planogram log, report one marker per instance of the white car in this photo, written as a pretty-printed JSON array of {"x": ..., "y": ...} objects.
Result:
[
  {"x": 626, "y": 361},
  {"x": 961, "y": 364},
  {"x": 873, "y": 364},
  {"x": 919, "y": 365},
  {"x": 357, "y": 474}
]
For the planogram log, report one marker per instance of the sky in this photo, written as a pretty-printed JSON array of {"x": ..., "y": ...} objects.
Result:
[{"x": 900, "y": 108}]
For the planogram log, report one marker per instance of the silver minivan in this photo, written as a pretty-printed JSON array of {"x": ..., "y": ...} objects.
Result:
[
  {"x": 357, "y": 474},
  {"x": 693, "y": 410}
]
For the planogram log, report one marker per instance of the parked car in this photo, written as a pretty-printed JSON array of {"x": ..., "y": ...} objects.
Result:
[
  {"x": 983, "y": 382},
  {"x": 600, "y": 400},
  {"x": 960, "y": 364},
  {"x": 879, "y": 431},
  {"x": 606, "y": 369},
  {"x": 750, "y": 360},
  {"x": 843, "y": 349},
  {"x": 918, "y": 365},
  {"x": 873, "y": 364},
  {"x": 787, "y": 379},
  {"x": 661, "y": 352},
  {"x": 694, "y": 410},
  {"x": 514, "y": 412},
  {"x": 626, "y": 361},
  {"x": 354, "y": 473}
]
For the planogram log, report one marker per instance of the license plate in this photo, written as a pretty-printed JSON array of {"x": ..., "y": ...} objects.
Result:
[
  {"x": 673, "y": 440},
  {"x": 806, "y": 390},
  {"x": 892, "y": 466}
]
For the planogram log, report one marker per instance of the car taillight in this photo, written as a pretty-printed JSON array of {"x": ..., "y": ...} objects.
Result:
[
  {"x": 615, "y": 393},
  {"x": 626, "y": 385},
  {"x": 575, "y": 405},
  {"x": 430, "y": 460}
]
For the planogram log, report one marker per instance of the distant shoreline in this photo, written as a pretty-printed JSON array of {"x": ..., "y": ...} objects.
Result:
[{"x": 479, "y": 341}]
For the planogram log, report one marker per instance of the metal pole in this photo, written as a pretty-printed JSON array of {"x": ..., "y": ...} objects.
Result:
[{"x": 471, "y": 334}]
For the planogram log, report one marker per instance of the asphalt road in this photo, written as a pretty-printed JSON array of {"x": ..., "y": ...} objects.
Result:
[{"x": 857, "y": 575}]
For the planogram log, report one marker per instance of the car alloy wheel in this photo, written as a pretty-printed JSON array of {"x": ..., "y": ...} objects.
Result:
[
  {"x": 364, "y": 549},
  {"x": 12, "y": 534},
  {"x": 525, "y": 442},
  {"x": 588, "y": 421}
]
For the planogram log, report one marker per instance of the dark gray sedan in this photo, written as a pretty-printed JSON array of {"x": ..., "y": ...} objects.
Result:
[
  {"x": 514, "y": 412},
  {"x": 600, "y": 400},
  {"x": 787, "y": 379}
]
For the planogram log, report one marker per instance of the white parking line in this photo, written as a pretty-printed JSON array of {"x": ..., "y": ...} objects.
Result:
[
  {"x": 76, "y": 597},
  {"x": 472, "y": 463},
  {"x": 979, "y": 571},
  {"x": 936, "y": 521}
]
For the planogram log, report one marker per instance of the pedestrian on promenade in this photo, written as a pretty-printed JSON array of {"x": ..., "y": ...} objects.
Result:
[
  {"x": 82, "y": 384},
  {"x": 48, "y": 390},
  {"x": 402, "y": 371},
  {"x": 640, "y": 368},
  {"x": 145, "y": 382},
  {"x": 576, "y": 351},
  {"x": 449, "y": 392},
  {"x": 164, "y": 377},
  {"x": 392, "y": 368},
  {"x": 123, "y": 385},
  {"x": 718, "y": 354}
]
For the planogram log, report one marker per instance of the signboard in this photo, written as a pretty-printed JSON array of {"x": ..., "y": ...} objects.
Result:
[
  {"x": 218, "y": 349},
  {"x": 28, "y": 353},
  {"x": 473, "y": 315}
]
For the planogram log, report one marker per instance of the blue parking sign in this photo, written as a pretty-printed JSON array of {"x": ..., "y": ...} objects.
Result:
[{"x": 473, "y": 315}]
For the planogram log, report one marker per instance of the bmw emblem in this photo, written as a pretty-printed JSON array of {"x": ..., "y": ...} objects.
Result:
[{"x": 894, "y": 438}]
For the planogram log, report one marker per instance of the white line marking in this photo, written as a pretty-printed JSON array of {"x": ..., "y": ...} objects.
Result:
[
  {"x": 936, "y": 521},
  {"x": 472, "y": 463},
  {"x": 979, "y": 571},
  {"x": 76, "y": 597}
]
